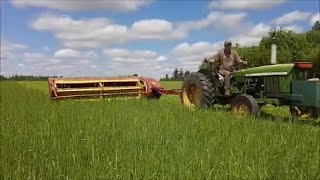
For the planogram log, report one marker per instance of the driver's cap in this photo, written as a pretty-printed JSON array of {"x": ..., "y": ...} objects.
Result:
[{"x": 227, "y": 42}]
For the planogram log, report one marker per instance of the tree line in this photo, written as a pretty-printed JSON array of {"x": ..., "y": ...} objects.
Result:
[
  {"x": 291, "y": 47},
  {"x": 26, "y": 78},
  {"x": 177, "y": 75}
]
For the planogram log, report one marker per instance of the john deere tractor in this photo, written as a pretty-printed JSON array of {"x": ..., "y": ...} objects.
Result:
[{"x": 251, "y": 88}]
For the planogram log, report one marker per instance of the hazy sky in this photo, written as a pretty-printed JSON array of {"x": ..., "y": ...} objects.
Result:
[{"x": 148, "y": 37}]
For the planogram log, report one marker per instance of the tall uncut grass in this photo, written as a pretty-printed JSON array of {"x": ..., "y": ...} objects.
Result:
[{"x": 140, "y": 139}]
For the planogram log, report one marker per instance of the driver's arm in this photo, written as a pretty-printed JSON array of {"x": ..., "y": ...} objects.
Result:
[{"x": 215, "y": 58}]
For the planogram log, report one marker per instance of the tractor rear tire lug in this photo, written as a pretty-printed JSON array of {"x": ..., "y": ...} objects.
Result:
[{"x": 203, "y": 85}]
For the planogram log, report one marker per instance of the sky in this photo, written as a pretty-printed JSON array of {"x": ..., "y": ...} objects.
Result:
[{"x": 76, "y": 38}]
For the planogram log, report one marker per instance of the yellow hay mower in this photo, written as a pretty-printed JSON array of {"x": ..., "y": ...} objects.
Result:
[{"x": 62, "y": 88}]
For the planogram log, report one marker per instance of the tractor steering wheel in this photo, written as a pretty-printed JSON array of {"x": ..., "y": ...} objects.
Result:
[{"x": 238, "y": 66}]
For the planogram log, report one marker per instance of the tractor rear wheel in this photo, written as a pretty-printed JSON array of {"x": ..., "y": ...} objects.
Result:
[
  {"x": 197, "y": 91},
  {"x": 244, "y": 105},
  {"x": 300, "y": 112}
]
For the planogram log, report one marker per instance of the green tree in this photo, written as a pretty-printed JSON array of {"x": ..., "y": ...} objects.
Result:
[
  {"x": 2, "y": 78},
  {"x": 290, "y": 46},
  {"x": 316, "y": 25},
  {"x": 187, "y": 73},
  {"x": 180, "y": 75},
  {"x": 175, "y": 74},
  {"x": 313, "y": 38},
  {"x": 167, "y": 77},
  {"x": 252, "y": 55},
  {"x": 313, "y": 54}
]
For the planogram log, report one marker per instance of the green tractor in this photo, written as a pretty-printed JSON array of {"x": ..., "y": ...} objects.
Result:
[{"x": 252, "y": 88}]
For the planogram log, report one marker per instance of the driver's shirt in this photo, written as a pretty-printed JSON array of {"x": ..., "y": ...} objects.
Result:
[{"x": 227, "y": 62}]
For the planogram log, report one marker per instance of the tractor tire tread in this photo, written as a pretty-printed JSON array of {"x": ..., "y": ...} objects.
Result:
[{"x": 206, "y": 88}]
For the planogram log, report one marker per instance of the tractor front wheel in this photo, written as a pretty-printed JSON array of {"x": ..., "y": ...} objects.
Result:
[{"x": 244, "y": 105}]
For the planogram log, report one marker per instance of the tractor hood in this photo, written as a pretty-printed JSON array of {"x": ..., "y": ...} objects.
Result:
[{"x": 268, "y": 70}]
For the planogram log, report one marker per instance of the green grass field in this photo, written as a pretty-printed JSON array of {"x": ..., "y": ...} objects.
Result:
[{"x": 140, "y": 139}]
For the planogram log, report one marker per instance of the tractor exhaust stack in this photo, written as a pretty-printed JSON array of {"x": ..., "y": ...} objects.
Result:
[
  {"x": 273, "y": 54},
  {"x": 273, "y": 48}
]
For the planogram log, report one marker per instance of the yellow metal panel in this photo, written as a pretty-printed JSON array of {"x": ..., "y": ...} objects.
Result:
[
  {"x": 94, "y": 81},
  {"x": 98, "y": 89}
]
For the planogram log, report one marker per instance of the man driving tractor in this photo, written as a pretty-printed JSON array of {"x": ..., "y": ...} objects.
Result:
[{"x": 227, "y": 57}]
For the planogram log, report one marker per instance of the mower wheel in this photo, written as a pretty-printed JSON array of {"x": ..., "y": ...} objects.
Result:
[
  {"x": 155, "y": 95},
  {"x": 316, "y": 113},
  {"x": 300, "y": 112},
  {"x": 244, "y": 105},
  {"x": 197, "y": 91}
]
